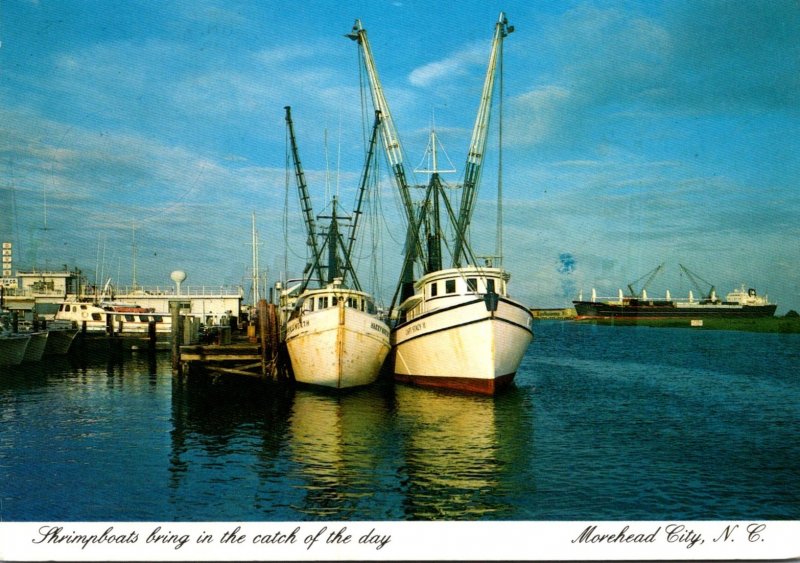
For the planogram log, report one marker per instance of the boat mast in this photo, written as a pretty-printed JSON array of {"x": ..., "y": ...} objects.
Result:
[
  {"x": 305, "y": 200},
  {"x": 477, "y": 147},
  {"x": 394, "y": 154},
  {"x": 256, "y": 294},
  {"x": 363, "y": 185}
]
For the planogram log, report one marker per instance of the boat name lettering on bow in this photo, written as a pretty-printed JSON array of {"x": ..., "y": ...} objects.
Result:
[
  {"x": 414, "y": 328},
  {"x": 298, "y": 326},
  {"x": 380, "y": 328}
]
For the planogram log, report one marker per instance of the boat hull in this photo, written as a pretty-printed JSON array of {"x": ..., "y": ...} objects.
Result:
[
  {"x": 669, "y": 309},
  {"x": 465, "y": 347},
  {"x": 12, "y": 349},
  {"x": 36, "y": 345},
  {"x": 338, "y": 347},
  {"x": 59, "y": 341}
]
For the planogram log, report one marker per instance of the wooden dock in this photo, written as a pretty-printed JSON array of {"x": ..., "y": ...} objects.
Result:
[{"x": 261, "y": 353}]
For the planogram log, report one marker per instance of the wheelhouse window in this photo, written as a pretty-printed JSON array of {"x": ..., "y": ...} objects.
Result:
[
  {"x": 450, "y": 286},
  {"x": 472, "y": 284},
  {"x": 130, "y": 318},
  {"x": 334, "y": 301},
  {"x": 96, "y": 316},
  {"x": 434, "y": 289},
  {"x": 323, "y": 302},
  {"x": 490, "y": 285}
]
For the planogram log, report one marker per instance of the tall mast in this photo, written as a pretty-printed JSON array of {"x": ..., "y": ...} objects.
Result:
[
  {"x": 256, "y": 293},
  {"x": 305, "y": 200},
  {"x": 394, "y": 154},
  {"x": 477, "y": 147},
  {"x": 133, "y": 275}
]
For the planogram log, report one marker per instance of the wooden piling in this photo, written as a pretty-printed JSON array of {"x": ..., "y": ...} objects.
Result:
[
  {"x": 262, "y": 330},
  {"x": 177, "y": 335},
  {"x": 151, "y": 335}
]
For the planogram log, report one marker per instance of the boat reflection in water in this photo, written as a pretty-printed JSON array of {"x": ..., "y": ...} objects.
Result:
[
  {"x": 389, "y": 451},
  {"x": 460, "y": 453},
  {"x": 339, "y": 446}
]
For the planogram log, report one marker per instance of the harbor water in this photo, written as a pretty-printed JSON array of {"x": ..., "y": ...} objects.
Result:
[{"x": 603, "y": 423}]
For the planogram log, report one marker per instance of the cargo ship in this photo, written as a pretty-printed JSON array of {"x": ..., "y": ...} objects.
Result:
[{"x": 739, "y": 303}]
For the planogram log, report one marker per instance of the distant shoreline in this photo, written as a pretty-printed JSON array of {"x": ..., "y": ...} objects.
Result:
[{"x": 765, "y": 324}]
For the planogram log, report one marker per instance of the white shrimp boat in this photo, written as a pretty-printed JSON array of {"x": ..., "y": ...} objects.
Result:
[
  {"x": 461, "y": 331},
  {"x": 335, "y": 338},
  {"x": 334, "y": 334},
  {"x": 456, "y": 327}
]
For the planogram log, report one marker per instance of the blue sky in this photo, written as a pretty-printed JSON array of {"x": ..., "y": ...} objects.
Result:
[{"x": 635, "y": 133}]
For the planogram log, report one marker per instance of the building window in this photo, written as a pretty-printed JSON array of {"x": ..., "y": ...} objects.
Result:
[{"x": 450, "y": 286}]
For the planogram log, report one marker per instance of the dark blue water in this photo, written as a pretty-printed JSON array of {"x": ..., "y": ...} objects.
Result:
[{"x": 604, "y": 423}]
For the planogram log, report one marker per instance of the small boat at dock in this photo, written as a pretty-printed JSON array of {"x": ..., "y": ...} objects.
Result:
[
  {"x": 110, "y": 317},
  {"x": 36, "y": 346},
  {"x": 60, "y": 336},
  {"x": 12, "y": 344}
]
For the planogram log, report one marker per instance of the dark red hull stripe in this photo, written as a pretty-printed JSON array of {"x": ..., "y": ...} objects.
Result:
[{"x": 466, "y": 384}]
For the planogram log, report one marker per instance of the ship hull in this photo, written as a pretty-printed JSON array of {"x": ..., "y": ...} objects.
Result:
[
  {"x": 339, "y": 347},
  {"x": 36, "y": 345},
  {"x": 670, "y": 309},
  {"x": 466, "y": 347},
  {"x": 12, "y": 349},
  {"x": 59, "y": 341}
]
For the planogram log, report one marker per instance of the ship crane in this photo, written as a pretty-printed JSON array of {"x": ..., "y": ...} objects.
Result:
[
  {"x": 695, "y": 279},
  {"x": 650, "y": 277}
]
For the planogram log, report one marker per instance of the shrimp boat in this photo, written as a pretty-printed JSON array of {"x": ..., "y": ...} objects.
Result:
[
  {"x": 335, "y": 336},
  {"x": 455, "y": 327}
]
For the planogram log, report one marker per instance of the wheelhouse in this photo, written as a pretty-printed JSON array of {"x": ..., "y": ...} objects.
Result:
[
  {"x": 322, "y": 299},
  {"x": 456, "y": 285}
]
